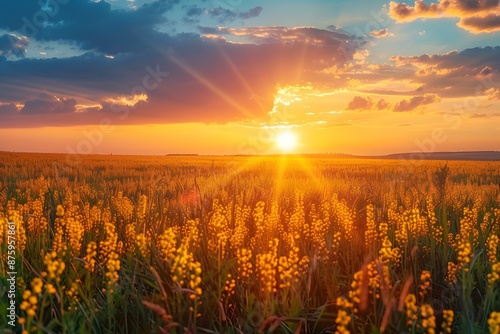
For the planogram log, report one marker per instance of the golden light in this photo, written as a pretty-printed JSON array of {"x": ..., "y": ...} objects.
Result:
[{"x": 286, "y": 141}]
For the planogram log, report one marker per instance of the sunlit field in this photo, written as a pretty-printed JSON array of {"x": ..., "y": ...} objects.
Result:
[{"x": 277, "y": 244}]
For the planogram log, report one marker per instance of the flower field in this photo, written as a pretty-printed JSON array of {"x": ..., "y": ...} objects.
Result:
[{"x": 276, "y": 244}]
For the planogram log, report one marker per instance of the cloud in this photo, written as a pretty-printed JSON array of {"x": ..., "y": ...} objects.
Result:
[
  {"x": 47, "y": 104},
  {"x": 366, "y": 103},
  {"x": 88, "y": 24},
  {"x": 475, "y": 15},
  {"x": 454, "y": 74},
  {"x": 231, "y": 81},
  {"x": 251, "y": 13},
  {"x": 478, "y": 116},
  {"x": 493, "y": 93},
  {"x": 360, "y": 103},
  {"x": 416, "y": 102},
  {"x": 486, "y": 71},
  {"x": 381, "y": 33},
  {"x": 282, "y": 35},
  {"x": 8, "y": 108},
  {"x": 481, "y": 24},
  {"x": 382, "y": 104},
  {"x": 222, "y": 15},
  {"x": 13, "y": 45}
]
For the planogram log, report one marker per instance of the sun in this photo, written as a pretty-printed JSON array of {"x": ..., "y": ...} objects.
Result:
[{"x": 286, "y": 141}]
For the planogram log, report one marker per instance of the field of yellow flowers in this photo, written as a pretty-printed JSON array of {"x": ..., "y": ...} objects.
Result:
[{"x": 284, "y": 244}]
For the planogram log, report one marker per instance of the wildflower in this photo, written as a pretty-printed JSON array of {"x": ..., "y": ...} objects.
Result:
[
  {"x": 447, "y": 320},
  {"x": 130, "y": 237},
  {"x": 74, "y": 232},
  {"x": 425, "y": 283},
  {"x": 343, "y": 318},
  {"x": 143, "y": 244},
  {"x": 411, "y": 309},
  {"x": 29, "y": 303},
  {"x": 141, "y": 209},
  {"x": 356, "y": 289},
  {"x": 112, "y": 268},
  {"x": 72, "y": 294},
  {"x": 91, "y": 253},
  {"x": 494, "y": 275},
  {"x": 387, "y": 254},
  {"x": 55, "y": 267},
  {"x": 464, "y": 255},
  {"x": 288, "y": 267},
  {"x": 494, "y": 322},
  {"x": 37, "y": 285},
  {"x": 266, "y": 267},
  {"x": 428, "y": 319},
  {"x": 50, "y": 288},
  {"x": 371, "y": 230},
  {"x": 451, "y": 275},
  {"x": 229, "y": 285},
  {"x": 167, "y": 243}
]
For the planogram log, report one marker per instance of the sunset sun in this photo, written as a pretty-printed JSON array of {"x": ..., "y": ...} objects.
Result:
[{"x": 286, "y": 141}]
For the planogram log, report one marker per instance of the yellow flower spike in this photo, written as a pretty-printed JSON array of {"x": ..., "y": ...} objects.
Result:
[
  {"x": 494, "y": 322},
  {"x": 428, "y": 318},
  {"x": 447, "y": 320},
  {"x": 37, "y": 285},
  {"x": 411, "y": 309},
  {"x": 425, "y": 283},
  {"x": 91, "y": 253}
]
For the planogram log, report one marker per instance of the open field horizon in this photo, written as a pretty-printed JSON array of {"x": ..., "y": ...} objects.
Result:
[{"x": 414, "y": 156}]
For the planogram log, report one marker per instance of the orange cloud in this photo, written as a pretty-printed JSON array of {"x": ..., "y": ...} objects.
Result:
[
  {"x": 476, "y": 16},
  {"x": 366, "y": 103},
  {"x": 481, "y": 24},
  {"x": 416, "y": 102},
  {"x": 381, "y": 33}
]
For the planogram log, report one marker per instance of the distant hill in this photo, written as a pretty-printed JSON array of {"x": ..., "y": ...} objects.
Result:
[{"x": 474, "y": 155}]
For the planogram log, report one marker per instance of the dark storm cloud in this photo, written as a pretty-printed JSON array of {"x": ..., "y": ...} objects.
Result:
[
  {"x": 8, "y": 108},
  {"x": 47, "y": 104},
  {"x": 94, "y": 26},
  {"x": 88, "y": 24},
  {"x": 13, "y": 45}
]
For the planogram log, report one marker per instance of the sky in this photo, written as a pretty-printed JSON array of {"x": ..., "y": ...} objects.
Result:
[{"x": 249, "y": 77}]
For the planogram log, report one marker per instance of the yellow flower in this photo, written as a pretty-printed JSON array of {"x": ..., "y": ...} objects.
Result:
[
  {"x": 494, "y": 322},
  {"x": 50, "y": 288},
  {"x": 425, "y": 283},
  {"x": 37, "y": 285},
  {"x": 59, "y": 211},
  {"x": 428, "y": 318},
  {"x": 447, "y": 320},
  {"x": 411, "y": 309}
]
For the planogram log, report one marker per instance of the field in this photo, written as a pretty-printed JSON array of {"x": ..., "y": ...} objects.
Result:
[{"x": 277, "y": 244}]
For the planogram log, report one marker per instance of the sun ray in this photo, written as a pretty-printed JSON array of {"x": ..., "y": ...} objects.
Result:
[
  {"x": 205, "y": 82},
  {"x": 240, "y": 77}
]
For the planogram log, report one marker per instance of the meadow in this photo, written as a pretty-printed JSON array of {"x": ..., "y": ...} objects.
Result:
[{"x": 276, "y": 244}]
